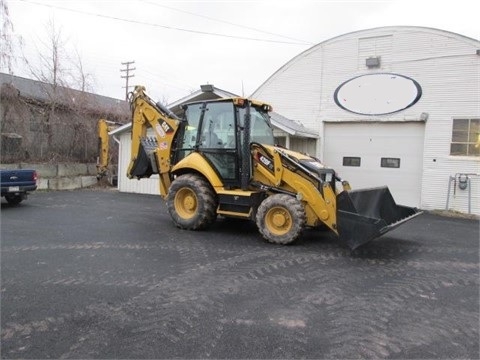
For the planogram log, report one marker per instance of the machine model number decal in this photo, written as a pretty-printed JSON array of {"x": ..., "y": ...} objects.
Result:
[{"x": 266, "y": 162}]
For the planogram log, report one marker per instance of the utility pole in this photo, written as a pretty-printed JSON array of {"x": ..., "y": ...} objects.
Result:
[{"x": 127, "y": 75}]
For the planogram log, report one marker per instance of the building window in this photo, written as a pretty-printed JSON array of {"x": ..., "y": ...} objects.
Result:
[
  {"x": 351, "y": 161},
  {"x": 390, "y": 163},
  {"x": 465, "y": 137}
]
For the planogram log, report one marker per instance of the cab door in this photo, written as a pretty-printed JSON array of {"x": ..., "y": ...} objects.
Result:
[
  {"x": 211, "y": 130},
  {"x": 218, "y": 140}
]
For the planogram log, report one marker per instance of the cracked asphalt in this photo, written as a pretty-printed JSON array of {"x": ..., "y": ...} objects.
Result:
[{"x": 106, "y": 275}]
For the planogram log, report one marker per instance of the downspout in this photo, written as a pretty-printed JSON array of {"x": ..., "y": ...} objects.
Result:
[
  {"x": 117, "y": 140},
  {"x": 287, "y": 141}
]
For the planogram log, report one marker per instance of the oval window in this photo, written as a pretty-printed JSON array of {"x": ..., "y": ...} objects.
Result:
[{"x": 378, "y": 94}]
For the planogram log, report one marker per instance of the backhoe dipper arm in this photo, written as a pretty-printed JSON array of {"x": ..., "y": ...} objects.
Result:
[
  {"x": 103, "y": 128},
  {"x": 151, "y": 155}
]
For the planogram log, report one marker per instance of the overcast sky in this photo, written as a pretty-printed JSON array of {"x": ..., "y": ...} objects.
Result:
[{"x": 235, "y": 45}]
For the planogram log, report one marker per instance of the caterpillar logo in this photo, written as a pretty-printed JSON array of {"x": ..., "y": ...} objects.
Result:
[{"x": 167, "y": 128}]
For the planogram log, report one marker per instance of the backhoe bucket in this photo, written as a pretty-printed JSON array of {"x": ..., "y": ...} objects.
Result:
[
  {"x": 365, "y": 214},
  {"x": 144, "y": 164}
]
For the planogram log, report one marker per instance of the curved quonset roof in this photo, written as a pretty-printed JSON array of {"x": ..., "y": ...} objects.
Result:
[{"x": 360, "y": 33}]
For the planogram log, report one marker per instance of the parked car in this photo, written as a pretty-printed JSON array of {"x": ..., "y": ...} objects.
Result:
[{"x": 16, "y": 184}]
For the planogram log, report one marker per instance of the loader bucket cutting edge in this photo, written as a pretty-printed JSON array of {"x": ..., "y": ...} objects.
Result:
[{"x": 365, "y": 214}]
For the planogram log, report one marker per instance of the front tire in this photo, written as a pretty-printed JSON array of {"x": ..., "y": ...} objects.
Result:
[
  {"x": 191, "y": 202},
  {"x": 281, "y": 219}
]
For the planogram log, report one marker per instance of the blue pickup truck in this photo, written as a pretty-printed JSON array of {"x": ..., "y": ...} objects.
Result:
[{"x": 16, "y": 184}]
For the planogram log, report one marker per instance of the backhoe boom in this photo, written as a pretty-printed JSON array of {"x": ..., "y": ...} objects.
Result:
[{"x": 151, "y": 155}]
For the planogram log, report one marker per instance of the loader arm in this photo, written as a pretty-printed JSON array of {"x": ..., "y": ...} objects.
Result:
[
  {"x": 356, "y": 216},
  {"x": 151, "y": 155},
  {"x": 287, "y": 175}
]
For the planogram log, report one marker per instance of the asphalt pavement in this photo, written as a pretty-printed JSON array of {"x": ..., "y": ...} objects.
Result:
[{"x": 101, "y": 274}]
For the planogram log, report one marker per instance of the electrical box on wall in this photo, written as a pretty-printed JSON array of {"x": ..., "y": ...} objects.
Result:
[{"x": 373, "y": 62}]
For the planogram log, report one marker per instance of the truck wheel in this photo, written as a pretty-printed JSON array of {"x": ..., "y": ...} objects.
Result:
[
  {"x": 191, "y": 202},
  {"x": 280, "y": 218},
  {"x": 14, "y": 199}
]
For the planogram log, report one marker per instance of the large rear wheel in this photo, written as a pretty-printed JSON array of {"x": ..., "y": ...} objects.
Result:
[
  {"x": 191, "y": 202},
  {"x": 281, "y": 218}
]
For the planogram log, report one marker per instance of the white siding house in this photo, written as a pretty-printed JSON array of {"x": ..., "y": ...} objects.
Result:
[
  {"x": 124, "y": 184},
  {"x": 396, "y": 106}
]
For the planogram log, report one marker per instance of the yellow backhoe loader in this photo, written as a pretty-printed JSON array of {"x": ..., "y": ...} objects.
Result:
[{"x": 219, "y": 158}]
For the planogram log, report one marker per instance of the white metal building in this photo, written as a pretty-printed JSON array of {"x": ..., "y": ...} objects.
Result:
[{"x": 396, "y": 106}]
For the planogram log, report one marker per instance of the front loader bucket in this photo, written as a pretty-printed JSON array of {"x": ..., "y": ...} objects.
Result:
[{"x": 365, "y": 214}]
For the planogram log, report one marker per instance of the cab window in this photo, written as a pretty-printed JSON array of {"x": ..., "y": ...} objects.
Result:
[
  {"x": 218, "y": 126},
  {"x": 193, "y": 114},
  {"x": 260, "y": 130}
]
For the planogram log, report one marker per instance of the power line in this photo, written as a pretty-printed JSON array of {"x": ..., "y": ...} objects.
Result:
[
  {"x": 225, "y": 22},
  {"x": 127, "y": 75},
  {"x": 164, "y": 26}
]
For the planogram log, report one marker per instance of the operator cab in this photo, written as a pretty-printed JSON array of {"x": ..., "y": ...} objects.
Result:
[{"x": 217, "y": 129}]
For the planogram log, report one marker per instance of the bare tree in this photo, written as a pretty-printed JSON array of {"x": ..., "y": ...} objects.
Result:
[
  {"x": 61, "y": 73},
  {"x": 8, "y": 40},
  {"x": 50, "y": 65},
  {"x": 55, "y": 65},
  {"x": 82, "y": 80},
  {"x": 48, "y": 69},
  {"x": 59, "y": 121}
]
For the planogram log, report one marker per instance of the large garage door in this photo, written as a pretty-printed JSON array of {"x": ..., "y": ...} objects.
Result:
[{"x": 375, "y": 154}]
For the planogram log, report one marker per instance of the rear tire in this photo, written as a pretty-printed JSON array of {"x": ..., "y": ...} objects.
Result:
[
  {"x": 14, "y": 199},
  {"x": 191, "y": 202},
  {"x": 281, "y": 219}
]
